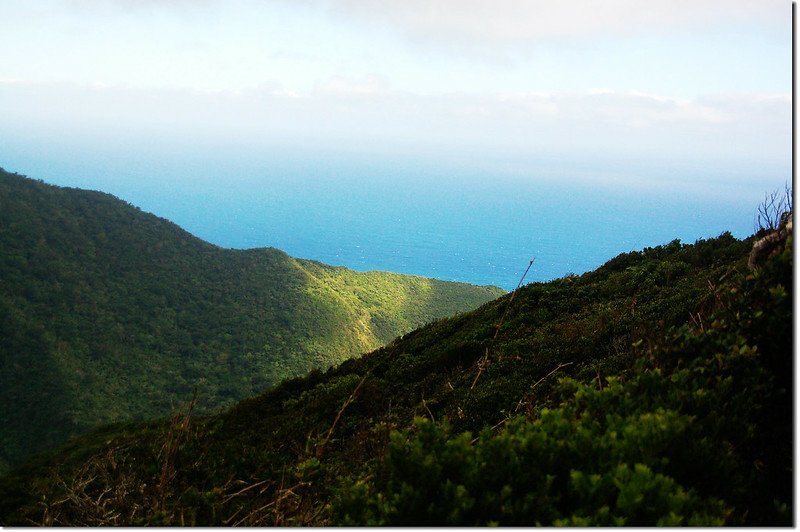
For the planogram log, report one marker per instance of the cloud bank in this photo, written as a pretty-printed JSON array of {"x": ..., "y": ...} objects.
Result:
[
  {"x": 363, "y": 114},
  {"x": 508, "y": 23},
  {"x": 507, "y": 80}
]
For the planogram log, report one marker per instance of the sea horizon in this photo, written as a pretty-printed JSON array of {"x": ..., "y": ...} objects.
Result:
[{"x": 444, "y": 223}]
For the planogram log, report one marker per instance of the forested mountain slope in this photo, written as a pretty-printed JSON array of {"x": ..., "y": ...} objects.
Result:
[
  {"x": 108, "y": 314},
  {"x": 654, "y": 390}
]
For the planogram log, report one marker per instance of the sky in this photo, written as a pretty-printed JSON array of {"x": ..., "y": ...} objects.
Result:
[{"x": 703, "y": 84}]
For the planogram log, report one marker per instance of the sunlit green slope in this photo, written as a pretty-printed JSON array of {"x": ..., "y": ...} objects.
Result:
[
  {"x": 656, "y": 389},
  {"x": 108, "y": 313}
]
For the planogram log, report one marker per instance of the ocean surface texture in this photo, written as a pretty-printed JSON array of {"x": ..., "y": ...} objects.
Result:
[{"x": 448, "y": 224}]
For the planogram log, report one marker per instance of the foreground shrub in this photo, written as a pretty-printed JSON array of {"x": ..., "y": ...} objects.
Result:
[{"x": 697, "y": 434}]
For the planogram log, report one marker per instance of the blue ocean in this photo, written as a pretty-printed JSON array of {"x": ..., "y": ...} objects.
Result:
[{"x": 447, "y": 222}]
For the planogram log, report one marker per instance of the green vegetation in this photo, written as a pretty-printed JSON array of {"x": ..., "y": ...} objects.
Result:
[
  {"x": 654, "y": 390},
  {"x": 110, "y": 314}
]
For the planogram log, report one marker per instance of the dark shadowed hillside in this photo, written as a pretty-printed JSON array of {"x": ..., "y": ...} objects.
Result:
[
  {"x": 654, "y": 390},
  {"x": 109, "y": 314}
]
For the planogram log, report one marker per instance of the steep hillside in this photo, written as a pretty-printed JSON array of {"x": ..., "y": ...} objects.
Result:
[
  {"x": 110, "y": 314},
  {"x": 654, "y": 390}
]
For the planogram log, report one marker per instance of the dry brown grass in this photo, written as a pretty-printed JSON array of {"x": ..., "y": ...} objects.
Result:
[{"x": 106, "y": 491}]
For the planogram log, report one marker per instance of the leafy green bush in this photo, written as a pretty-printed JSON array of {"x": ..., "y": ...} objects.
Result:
[
  {"x": 558, "y": 470},
  {"x": 697, "y": 435}
]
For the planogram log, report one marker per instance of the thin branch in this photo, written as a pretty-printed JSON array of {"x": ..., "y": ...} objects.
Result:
[
  {"x": 321, "y": 448},
  {"x": 537, "y": 383},
  {"x": 484, "y": 362},
  {"x": 505, "y": 419},
  {"x": 510, "y": 299},
  {"x": 248, "y": 488},
  {"x": 425, "y": 404}
]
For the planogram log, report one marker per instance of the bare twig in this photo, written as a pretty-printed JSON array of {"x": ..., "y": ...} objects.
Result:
[
  {"x": 176, "y": 433},
  {"x": 521, "y": 401},
  {"x": 321, "y": 448},
  {"x": 495, "y": 427},
  {"x": 484, "y": 362},
  {"x": 244, "y": 490},
  {"x": 510, "y": 299},
  {"x": 697, "y": 320},
  {"x": 537, "y": 383},
  {"x": 116, "y": 502},
  {"x": 425, "y": 404},
  {"x": 770, "y": 211}
]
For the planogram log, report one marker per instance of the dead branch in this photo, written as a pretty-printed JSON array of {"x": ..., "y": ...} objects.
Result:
[{"x": 321, "y": 448}]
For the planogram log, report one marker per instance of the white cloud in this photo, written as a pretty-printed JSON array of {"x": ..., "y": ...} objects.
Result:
[
  {"x": 341, "y": 86},
  {"x": 620, "y": 124},
  {"x": 476, "y": 23},
  {"x": 499, "y": 45}
]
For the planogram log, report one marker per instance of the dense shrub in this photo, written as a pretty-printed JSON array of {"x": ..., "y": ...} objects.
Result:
[{"x": 698, "y": 435}]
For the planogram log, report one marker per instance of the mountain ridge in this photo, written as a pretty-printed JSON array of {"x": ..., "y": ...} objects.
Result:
[
  {"x": 110, "y": 313},
  {"x": 654, "y": 390}
]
